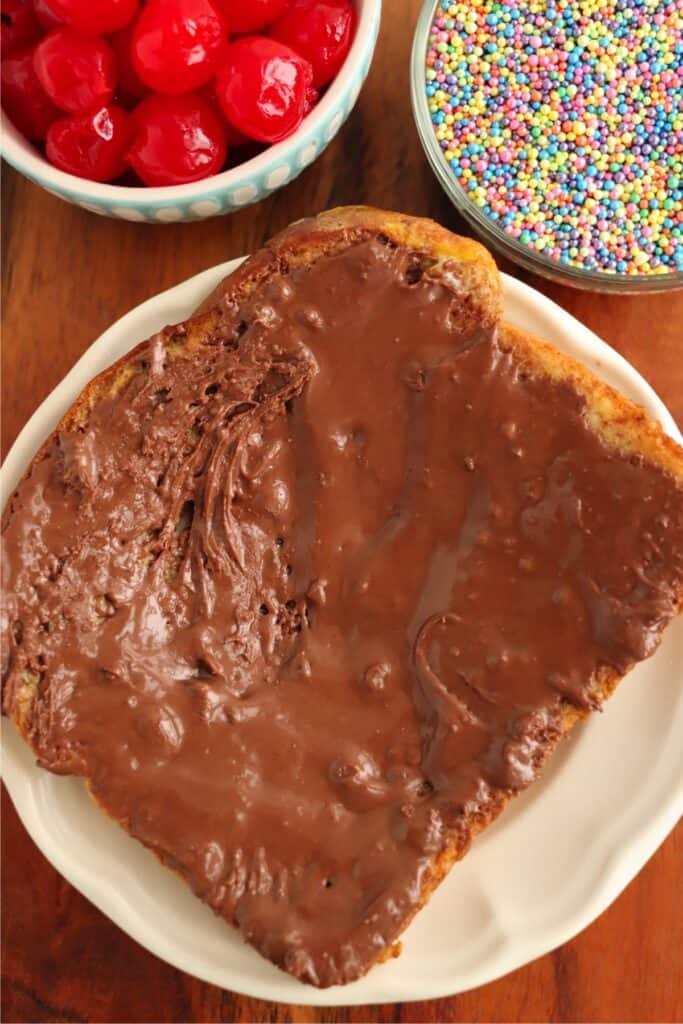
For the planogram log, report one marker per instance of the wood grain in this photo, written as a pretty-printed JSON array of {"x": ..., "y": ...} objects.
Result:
[{"x": 66, "y": 276}]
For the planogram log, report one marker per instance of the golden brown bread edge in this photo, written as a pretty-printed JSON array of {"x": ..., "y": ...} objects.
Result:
[{"x": 469, "y": 268}]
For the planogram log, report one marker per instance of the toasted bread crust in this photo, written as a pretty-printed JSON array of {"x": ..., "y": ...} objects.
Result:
[
  {"x": 622, "y": 424},
  {"x": 300, "y": 244},
  {"x": 465, "y": 261}
]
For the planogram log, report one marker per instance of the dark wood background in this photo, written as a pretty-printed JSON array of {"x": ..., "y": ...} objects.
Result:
[{"x": 66, "y": 276}]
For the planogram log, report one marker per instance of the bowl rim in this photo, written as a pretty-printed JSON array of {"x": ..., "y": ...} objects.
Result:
[
  {"x": 26, "y": 159},
  {"x": 524, "y": 255}
]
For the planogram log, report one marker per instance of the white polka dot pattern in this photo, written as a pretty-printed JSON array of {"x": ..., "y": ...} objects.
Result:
[
  {"x": 248, "y": 183},
  {"x": 278, "y": 177},
  {"x": 169, "y": 214},
  {"x": 206, "y": 207},
  {"x": 127, "y": 213}
]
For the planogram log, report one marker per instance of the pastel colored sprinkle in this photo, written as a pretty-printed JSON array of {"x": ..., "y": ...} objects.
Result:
[{"x": 562, "y": 120}]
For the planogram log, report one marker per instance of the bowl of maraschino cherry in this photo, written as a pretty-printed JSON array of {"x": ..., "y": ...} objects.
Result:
[{"x": 168, "y": 110}]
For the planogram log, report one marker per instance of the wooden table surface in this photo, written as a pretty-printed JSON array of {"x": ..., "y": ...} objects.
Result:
[{"x": 66, "y": 276}]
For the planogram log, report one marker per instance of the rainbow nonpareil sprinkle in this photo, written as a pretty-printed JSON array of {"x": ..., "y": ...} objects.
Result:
[{"x": 563, "y": 122}]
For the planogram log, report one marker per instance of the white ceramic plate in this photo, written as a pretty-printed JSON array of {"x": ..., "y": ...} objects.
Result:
[{"x": 551, "y": 864}]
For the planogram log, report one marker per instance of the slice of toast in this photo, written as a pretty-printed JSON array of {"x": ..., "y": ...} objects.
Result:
[{"x": 308, "y": 587}]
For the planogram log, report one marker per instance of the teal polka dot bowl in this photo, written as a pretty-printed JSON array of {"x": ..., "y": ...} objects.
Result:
[{"x": 253, "y": 180}]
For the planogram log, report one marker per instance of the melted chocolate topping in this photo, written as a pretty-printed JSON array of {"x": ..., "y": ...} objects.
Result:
[{"x": 303, "y": 605}]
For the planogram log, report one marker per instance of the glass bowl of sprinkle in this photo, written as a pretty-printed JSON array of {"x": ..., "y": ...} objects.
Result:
[{"x": 556, "y": 128}]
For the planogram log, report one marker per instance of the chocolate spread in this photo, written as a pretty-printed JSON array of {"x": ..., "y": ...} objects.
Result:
[{"x": 301, "y": 606}]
